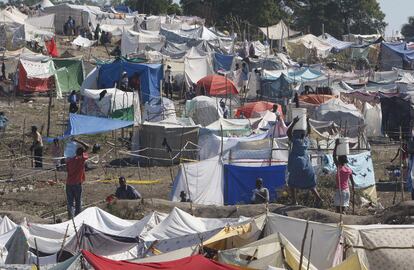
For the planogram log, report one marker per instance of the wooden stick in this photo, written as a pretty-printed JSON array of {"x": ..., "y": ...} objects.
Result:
[
  {"x": 76, "y": 232},
  {"x": 401, "y": 165},
  {"x": 302, "y": 248},
  {"x": 48, "y": 113},
  {"x": 63, "y": 243},
  {"x": 37, "y": 255}
]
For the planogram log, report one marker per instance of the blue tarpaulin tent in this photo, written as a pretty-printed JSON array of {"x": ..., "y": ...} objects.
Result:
[
  {"x": 85, "y": 124},
  {"x": 400, "y": 49},
  {"x": 275, "y": 88},
  {"x": 222, "y": 62},
  {"x": 239, "y": 182},
  {"x": 150, "y": 76}
]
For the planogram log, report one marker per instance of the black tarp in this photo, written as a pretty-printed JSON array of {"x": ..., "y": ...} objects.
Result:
[{"x": 397, "y": 112}]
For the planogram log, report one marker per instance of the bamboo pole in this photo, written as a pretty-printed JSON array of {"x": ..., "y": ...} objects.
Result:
[
  {"x": 63, "y": 243},
  {"x": 310, "y": 251},
  {"x": 302, "y": 248}
]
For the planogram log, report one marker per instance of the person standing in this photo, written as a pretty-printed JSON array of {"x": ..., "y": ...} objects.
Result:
[
  {"x": 124, "y": 85},
  {"x": 3, "y": 71},
  {"x": 37, "y": 147},
  {"x": 224, "y": 109},
  {"x": 168, "y": 78},
  {"x": 97, "y": 32},
  {"x": 260, "y": 193},
  {"x": 73, "y": 106},
  {"x": 343, "y": 175},
  {"x": 75, "y": 167},
  {"x": 301, "y": 172},
  {"x": 126, "y": 192},
  {"x": 245, "y": 77}
]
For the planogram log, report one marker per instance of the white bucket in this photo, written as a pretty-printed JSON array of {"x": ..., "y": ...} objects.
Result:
[
  {"x": 343, "y": 147},
  {"x": 301, "y": 113}
]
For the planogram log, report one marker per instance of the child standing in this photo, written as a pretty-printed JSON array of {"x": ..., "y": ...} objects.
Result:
[{"x": 343, "y": 175}]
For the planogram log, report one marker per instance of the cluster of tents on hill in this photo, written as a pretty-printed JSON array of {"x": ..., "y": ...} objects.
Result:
[{"x": 176, "y": 240}]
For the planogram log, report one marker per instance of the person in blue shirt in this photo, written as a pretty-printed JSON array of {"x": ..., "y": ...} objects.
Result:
[
  {"x": 72, "y": 99},
  {"x": 126, "y": 192},
  {"x": 3, "y": 122},
  {"x": 245, "y": 77}
]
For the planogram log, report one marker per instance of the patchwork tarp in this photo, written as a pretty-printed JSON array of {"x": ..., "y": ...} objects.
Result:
[
  {"x": 69, "y": 74},
  {"x": 84, "y": 124},
  {"x": 159, "y": 109},
  {"x": 197, "y": 262},
  {"x": 325, "y": 241},
  {"x": 240, "y": 182},
  {"x": 202, "y": 182},
  {"x": 150, "y": 76},
  {"x": 361, "y": 165},
  {"x": 133, "y": 42}
]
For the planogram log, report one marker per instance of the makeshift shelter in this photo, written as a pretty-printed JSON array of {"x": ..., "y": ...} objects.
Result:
[
  {"x": 201, "y": 181},
  {"x": 69, "y": 74},
  {"x": 276, "y": 88},
  {"x": 150, "y": 76},
  {"x": 159, "y": 109},
  {"x": 197, "y": 65},
  {"x": 133, "y": 42},
  {"x": 373, "y": 119},
  {"x": 227, "y": 127},
  {"x": 222, "y": 62},
  {"x": 108, "y": 103},
  {"x": 44, "y": 4},
  {"x": 395, "y": 120},
  {"x": 278, "y": 31},
  {"x": 240, "y": 181},
  {"x": 303, "y": 46},
  {"x": 337, "y": 45},
  {"x": 217, "y": 85},
  {"x": 203, "y": 110},
  {"x": 256, "y": 109},
  {"x": 171, "y": 138},
  {"x": 36, "y": 73},
  {"x": 395, "y": 55}
]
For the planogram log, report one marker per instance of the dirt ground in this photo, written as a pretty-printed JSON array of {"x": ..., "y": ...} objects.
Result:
[{"x": 41, "y": 192}]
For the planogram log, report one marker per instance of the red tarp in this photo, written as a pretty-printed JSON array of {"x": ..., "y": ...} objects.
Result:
[
  {"x": 197, "y": 262},
  {"x": 315, "y": 99},
  {"x": 31, "y": 85},
  {"x": 253, "y": 109},
  {"x": 217, "y": 85}
]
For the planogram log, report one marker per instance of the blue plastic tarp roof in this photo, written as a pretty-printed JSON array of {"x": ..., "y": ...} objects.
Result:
[
  {"x": 240, "y": 181},
  {"x": 222, "y": 62},
  {"x": 400, "y": 49},
  {"x": 84, "y": 124},
  {"x": 150, "y": 76}
]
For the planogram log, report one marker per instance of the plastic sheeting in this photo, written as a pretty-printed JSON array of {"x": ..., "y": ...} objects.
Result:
[
  {"x": 240, "y": 182},
  {"x": 84, "y": 124},
  {"x": 222, "y": 62},
  {"x": 83, "y": 42},
  {"x": 217, "y": 85},
  {"x": 150, "y": 76},
  {"x": 300, "y": 47},
  {"x": 326, "y": 237},
  {"x": 373, "y": 119},
  {"x": 337, "y": 45},
  {"x": 278, "y": 31},
  {"x": 6, "y": 225},
  {"x": 159, "y": 109},
  {"x": 361, "y": 165},
  {"x": 69, "y": 74},
  {"x": 196, "y": 66},
  {"x": 202, "y": 182},
  {"x": 133, "y": 42},
  {"x": 203, "y": 110}
]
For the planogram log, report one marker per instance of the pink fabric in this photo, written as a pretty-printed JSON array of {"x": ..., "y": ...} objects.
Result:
[{"x": 344, "y": 172}]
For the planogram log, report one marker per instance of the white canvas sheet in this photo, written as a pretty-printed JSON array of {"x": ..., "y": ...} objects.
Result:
[
  {"x": 133, "y": 42},
  {"x": 114, "y": 99},
  {"x": 203, "y": 110},
  {"x": 325, "y": 237},
  {"x": 46, "y": 22},
  {"x": 373, "y": 119},
  {"x": 91, "y": 80},
  {"x": 83, "y": 42},
  {"x": 158, "y": 112},
  {"x": 298, "y": 46},
  {"x": 37, "y": 66},
  {"x": 196, "y": 66},
  {"x": 6, "y": 225},
  {"x": 202, "y": 181}
]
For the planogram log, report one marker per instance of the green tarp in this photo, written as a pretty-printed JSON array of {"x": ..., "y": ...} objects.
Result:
[{"x": 69, "y": 74}]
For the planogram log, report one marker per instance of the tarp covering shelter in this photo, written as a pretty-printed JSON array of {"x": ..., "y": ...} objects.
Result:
[
  {"x": 133, "y": 42},
  {"x": 159, "y": 109},
  {"x": 150, "y": 76},
  {"x": 278, "y": 31},
  {"x": 69, "y": 74},
  {"x": 84, "y": 124},
  {"x": 315, "y": 99},
  {"x": 337, "y": 45},
  {"x": 36, "y": 73},
  {"x": 44, "y": 4},
  {"x": 373, "y": 119},
  {"x": 301, "y": 47},
  {"x": 275, "y": 88},
  {"x": 115, "y": 104},
  {"x": 217, "y": 85},
  {"x": 393, "y": 120},
  {"x": 394, "y": 54},
  {"x": 222, "y": 62},
  {"x": 201, "y": 181},
  {"x": 197, "y": 65},
  {"x": 203, "y": 110},
  {"x": 197, "y": 262},
  {"x": 240, "y": 181},
  {"x": 256, "y": 109}
]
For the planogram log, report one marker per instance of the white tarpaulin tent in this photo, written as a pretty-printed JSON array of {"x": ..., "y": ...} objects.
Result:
[
  {"x": 300, "y": 47},
  {"x": 203, "y": 110},
  {"x": 83, "y": 42},
  {"x": 133, "y": 42},
  {"x": 159, "y": 109},
  {"x": 197, "y": 65},
  {"x": 202, "y": 182},
  {"x": 278, "y": 31}
]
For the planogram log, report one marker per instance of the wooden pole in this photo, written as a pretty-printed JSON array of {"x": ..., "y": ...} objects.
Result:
[
  {"x": 222, "y": 143},
  {"x": 310, "y": 251},
  {"x": 302, "y": 248},
  {"x": 37, "y": 255},
  {"x": 63, "y": 243},
  {"x": 48, "y": 113},
  {"x": 401, "y": 165},
  {"x": 76, "y": 232}
]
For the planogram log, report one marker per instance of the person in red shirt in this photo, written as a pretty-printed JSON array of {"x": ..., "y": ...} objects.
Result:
[
  {"x": 343, "y": 176},
  {"x": 75, "y": 167}
]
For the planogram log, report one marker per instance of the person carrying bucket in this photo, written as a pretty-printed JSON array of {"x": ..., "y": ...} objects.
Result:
[
  {"x": 343, "y": 175},
  {"x": 301, "y": 172}
]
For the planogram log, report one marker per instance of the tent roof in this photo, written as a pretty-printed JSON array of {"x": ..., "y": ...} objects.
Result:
[
  {"x": 254, "y": 109},
  {"x": 217, "y": 85},
  {"x": 400, "y": 49},
  {"x": 279, "y": 31},
  {"x": 338, "y": 45}
]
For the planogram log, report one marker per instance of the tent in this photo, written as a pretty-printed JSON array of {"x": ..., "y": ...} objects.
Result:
[
  {"x": 256, "y": 109},
  {"x": 69, "y": 74},
  {"x": 301, "y": 47},
  {"x": 395, "y": 55},
  {"x": 203, "y": 110},
  {"x": 150, "y": 76},
  {"x": 202, "y": 182},
  {"x": 217, "y": 85},
  {"x": 159, "y": 109},
  {"x": 278, "y": 31},
  {"x": 276, "y": 88},
  {"x": 373, "y": 119},
  {"x": 197, "y": 262},
  {"x": 227, "y": 127},
  {"x": 393, "y": 120},
  {"x": 337, "y": 45},
  {"x": 197, "y": 65},
  {"x": 84, "y": 124},
  {"x": 133, "y": 42},
  {"x": 240, "y": 181},
  {"x": 222, "y": 62},
  {"x": 115, "y": 104},
  {"x": 36, "y": 73}
]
